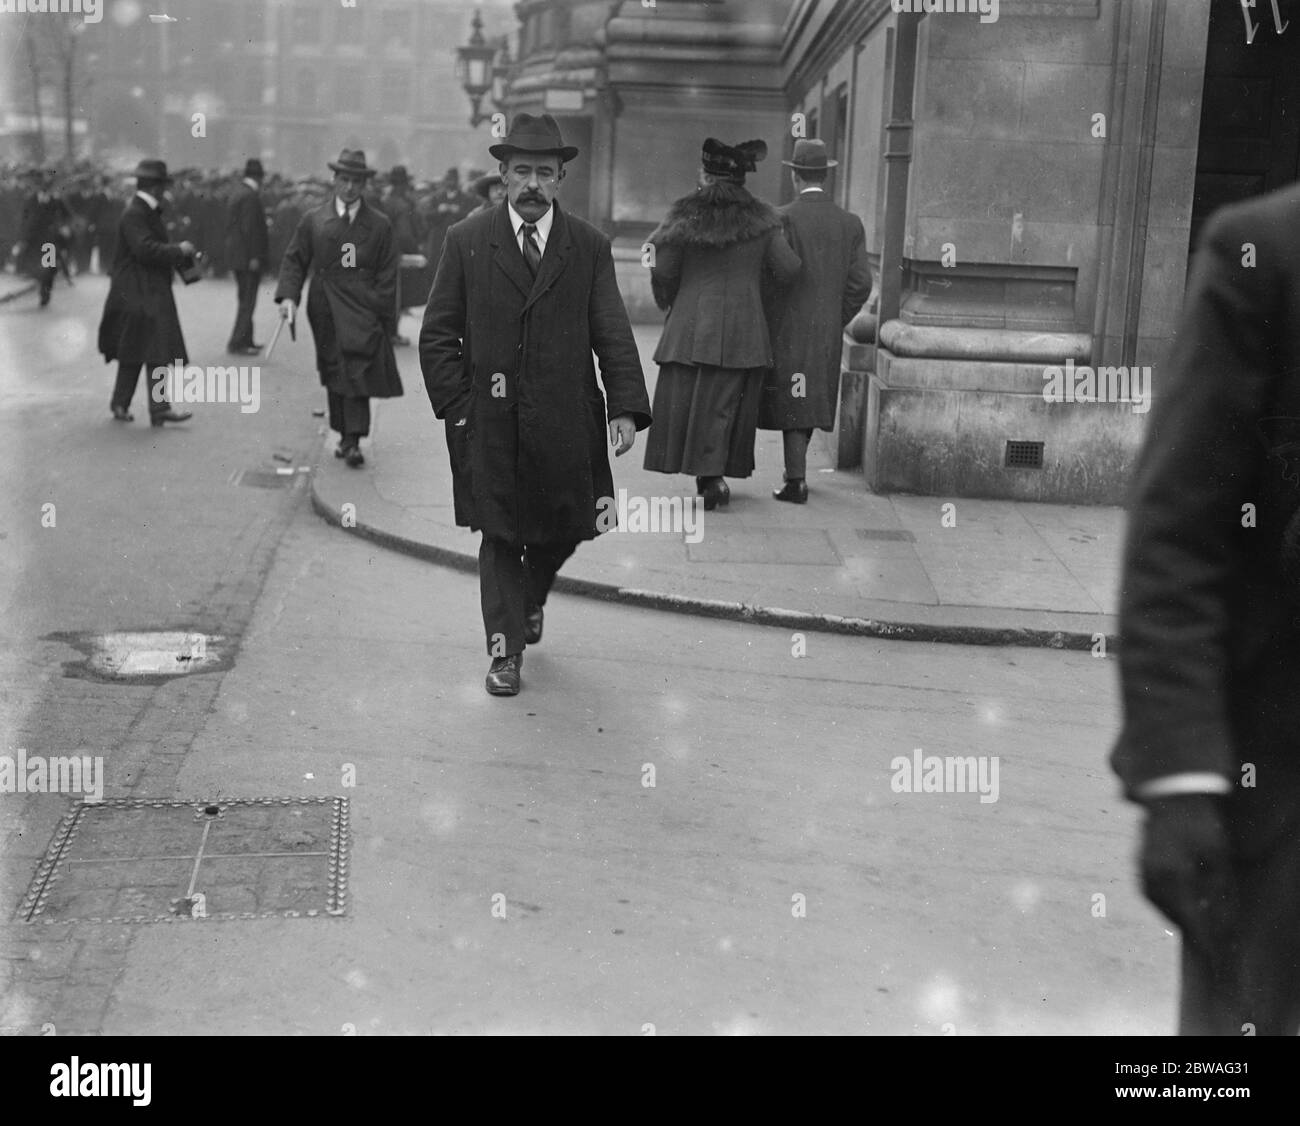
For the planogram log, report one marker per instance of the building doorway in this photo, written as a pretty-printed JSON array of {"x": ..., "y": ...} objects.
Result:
[{"x": 1249, "y": 140}]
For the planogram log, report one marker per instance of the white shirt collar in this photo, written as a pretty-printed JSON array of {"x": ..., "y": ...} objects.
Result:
[
  {"x": 543, "y": 226},
  {"x": 252, "y": 183},
  {"x": 150, "y": 200},
  {"x": 807, "y": 190},
  {"x": 348, "y": 212}
]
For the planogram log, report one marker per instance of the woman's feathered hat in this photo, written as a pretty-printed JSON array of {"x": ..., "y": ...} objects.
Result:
[{"x": 732, "y": 162}]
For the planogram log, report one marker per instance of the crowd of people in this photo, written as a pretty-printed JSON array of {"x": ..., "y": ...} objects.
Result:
[{"x": 199, "y": 212}]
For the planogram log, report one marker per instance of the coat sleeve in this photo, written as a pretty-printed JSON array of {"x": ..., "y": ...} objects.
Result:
[
  {"x": 296, "y": 263},
  {"x": 442, "y": 355},
  {"x": 857, "y": 287},
  {"x": 144, "y": 246},
  {"x": 614, "y": 345},
  {"x": 1200, "y": 461},
  {"x": 665, "y": 274},
  {"x": 780, "y": 262}
]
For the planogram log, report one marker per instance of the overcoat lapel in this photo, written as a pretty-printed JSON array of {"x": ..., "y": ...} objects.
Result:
[
  {"x": 506, "y": 253},
  {"x": 558, "y": 250}
]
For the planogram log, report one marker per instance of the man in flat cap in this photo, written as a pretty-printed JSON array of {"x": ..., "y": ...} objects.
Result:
[
  {"x": 140, "y": 326},
  {"x": 801, "y": 390},
  {"x": 523, "y": 295},
  {"x": 247, "y": 249},
  {"x": 348, "y": 248}
]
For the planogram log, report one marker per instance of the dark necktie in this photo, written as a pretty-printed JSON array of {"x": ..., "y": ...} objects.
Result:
[{"x": 532, "y": 252}]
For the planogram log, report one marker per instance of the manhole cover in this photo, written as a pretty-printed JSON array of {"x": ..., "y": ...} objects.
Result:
[
  {"x": 145, "y": 656},
  {"x": 131, "y": 860}
]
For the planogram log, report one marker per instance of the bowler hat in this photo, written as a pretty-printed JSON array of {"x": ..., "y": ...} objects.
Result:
[
  {"x": 533, "y": 134},
  {"x": 731, "y": 162},
  {"x": 253, "y": 169},
  {"x": 152, "y": 170},
  {"x": 353, "y": 162},
  {"x": 810, "y": 156}
]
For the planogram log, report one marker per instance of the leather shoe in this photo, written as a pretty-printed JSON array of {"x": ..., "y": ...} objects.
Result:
[
  {"x": 121, "y": 414},
  {"x": 354, "y": 457},
  {"x": 796, "y": 492},
  {"x": 170, "y": 416},
  {"x": 532, "y": 625},
  {"x": 340, "y": 450},
  {"x": 503, "y": 676},
  {"x": 716, "y": 492}
]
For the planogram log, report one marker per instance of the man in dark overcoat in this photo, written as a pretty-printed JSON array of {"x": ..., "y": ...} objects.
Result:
[
  {"x": 523, "y": 295},
  {"x": 44, "y": 233},
  {"x": 247, "y": 252},
  {"x": 801, "y": 390},
  {"x": 348, "y": 249},
  {"x": 1210, "y": 624},
  {"x": 140, "y": 326}
]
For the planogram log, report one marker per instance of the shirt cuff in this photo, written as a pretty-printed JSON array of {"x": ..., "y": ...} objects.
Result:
[{"x": 1200, "y": 782}]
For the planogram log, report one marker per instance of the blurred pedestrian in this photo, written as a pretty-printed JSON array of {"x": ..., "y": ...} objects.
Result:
[
  {"x": 348, "y": 249},
  {"x": 801, "y": 390},
  {"x": 491, "y": 189},
  {"x": 714, "y": 255},
  {"x": 247, "y": 250},
  {"x": 140, "y": 326},
  {"x": 523, "y": 296},
  {"x": 44, "y": 233},
  {"x": 1210, "y": 619},
  {"x": 400, "y": 209}
]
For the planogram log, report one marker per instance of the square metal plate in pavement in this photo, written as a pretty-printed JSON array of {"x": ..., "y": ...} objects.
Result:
[
  {"x": 132, "y": 860},
  {"x": 811, "y": 547}
]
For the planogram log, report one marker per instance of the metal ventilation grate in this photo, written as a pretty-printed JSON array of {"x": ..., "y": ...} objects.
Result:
[{"x": 1024, "y": 455}]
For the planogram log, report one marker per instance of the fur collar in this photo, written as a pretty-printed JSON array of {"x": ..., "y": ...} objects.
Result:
[{"x": 716, "y": 218}]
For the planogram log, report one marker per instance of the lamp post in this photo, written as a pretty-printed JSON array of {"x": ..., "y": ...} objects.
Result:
[{"x": 483, "y": 67}]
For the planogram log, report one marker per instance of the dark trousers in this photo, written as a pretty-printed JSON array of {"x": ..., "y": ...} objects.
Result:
[
  {"x": 1253, "y": 975},
  {"x": 128, "y": 375},
  {"x": 350, "y": 417},
  {"x": 796, "y": 453},
  {"x": 45, "y": 275},
  {"x": 511, "y": 579},
  {"x": 241, "y": 336}
]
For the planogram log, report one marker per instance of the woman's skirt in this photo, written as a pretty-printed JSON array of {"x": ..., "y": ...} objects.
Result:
[{"x": 705, "y": 419}]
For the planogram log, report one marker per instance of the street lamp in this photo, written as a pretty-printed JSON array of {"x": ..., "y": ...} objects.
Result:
[{"x": 474, "y": 68}]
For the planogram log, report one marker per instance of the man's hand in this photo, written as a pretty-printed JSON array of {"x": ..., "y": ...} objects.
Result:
[
  {"x": 1185, "y": 867},
  {"x": 253, "y": 264},
  {"x": 288, "y": 309},
  {"x": 187, "y": 248},
  {"x": 622, "y": 434}
]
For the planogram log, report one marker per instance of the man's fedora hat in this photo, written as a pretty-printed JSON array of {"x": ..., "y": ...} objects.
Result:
[
  {"x": 253, "y": 169},
  {"x": 152, "y": 170},
  {"x": 399, "y": 175},
  {"x": 533, "y": 134},
  {"x": 810, "y": 156},
  {"x": 353, "y": 162}
]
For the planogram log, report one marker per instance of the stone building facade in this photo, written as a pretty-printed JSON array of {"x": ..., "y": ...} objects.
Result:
[{"x": 1031, "y": 186}]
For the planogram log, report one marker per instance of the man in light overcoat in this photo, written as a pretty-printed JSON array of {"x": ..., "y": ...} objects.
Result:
[{"x": 349, "y": 250}]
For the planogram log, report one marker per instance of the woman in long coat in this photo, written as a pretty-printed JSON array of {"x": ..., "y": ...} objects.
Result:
[{"x": 713, "y": 255}]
